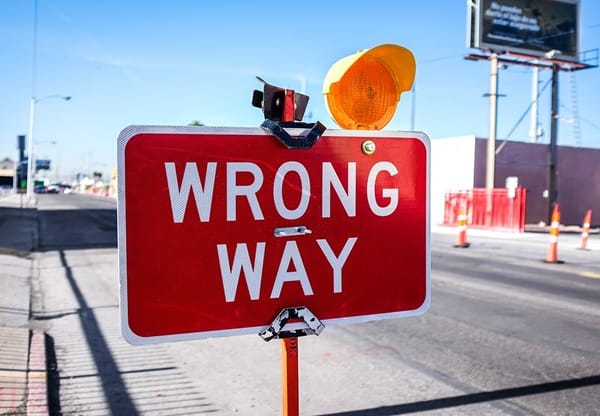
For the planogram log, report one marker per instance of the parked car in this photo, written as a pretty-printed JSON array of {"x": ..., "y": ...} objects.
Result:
[{"x": 65, "y": 188}]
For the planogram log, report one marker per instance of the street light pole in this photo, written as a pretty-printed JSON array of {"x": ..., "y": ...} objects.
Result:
[
  {"x": 30, "y": 156},
  {"x": 30, "y": 150},
  {"x": 30, "y": 164}
]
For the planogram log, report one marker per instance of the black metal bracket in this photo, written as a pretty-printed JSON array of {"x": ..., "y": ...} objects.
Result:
[
  {"x": 277, "y": 329},
  {"x": 277, "y": 129},
  {"x": 272, "y": 100}
]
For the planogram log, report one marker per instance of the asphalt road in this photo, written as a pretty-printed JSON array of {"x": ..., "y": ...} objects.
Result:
[{"x": 507, "y": 334}]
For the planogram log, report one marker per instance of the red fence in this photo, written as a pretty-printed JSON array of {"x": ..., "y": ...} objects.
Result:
[{"x": 507, "y": 210}]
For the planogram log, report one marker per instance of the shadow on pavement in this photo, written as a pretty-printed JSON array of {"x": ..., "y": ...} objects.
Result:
[
  {"x": 77, "y": 229},
  {"x": 18, "y": 230},
  {"x": 113, "y": 385},
  {"x": 473, "y": 398},
  {"x": 160, "y": 388}
]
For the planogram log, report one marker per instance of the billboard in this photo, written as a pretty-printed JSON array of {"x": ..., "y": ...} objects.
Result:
[
  {"x": 541, "y": 28},
  {"x": 42, "y": 164}
]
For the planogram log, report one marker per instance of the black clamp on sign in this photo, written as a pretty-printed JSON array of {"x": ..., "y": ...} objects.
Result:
[
  {"x": 284, "y": 109},
  {"x": 305, "y": 141},
  {"x": 313, "y": 326}
]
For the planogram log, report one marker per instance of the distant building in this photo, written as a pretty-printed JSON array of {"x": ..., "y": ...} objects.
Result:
[
  {"x": 7, "y": 172},
  {"x": 459, "y": 163}
]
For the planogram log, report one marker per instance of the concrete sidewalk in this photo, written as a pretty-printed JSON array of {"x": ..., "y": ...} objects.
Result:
[{"x": 22, "y": 349}]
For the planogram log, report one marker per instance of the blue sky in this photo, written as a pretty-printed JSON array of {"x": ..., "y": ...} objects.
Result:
[{"x": 159, "y": 62}]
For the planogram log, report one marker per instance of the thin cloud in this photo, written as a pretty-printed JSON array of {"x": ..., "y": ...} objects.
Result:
[{"x": 132, "y": 64}]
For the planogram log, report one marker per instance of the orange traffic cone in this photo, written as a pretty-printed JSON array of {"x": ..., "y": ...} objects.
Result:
[
  {"x": 461, "y": 238},
  {"x": 552, "y": 255},
  {"x": 585, "y": 232}
]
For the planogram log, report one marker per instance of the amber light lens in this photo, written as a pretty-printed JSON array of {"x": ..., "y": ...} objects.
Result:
[{"x": 365, "y": 97}]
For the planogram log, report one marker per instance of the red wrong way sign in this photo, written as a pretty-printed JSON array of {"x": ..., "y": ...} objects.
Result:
[{"x": 222, "y": 228}]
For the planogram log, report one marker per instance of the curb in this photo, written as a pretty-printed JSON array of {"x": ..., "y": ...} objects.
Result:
[{"x": 37, "y": 377}]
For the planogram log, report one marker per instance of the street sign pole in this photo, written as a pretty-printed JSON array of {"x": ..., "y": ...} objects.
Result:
[
  {"x": 289, "y": 346},
  {"x": 289, "y": 350},
  {"x": 289, "y": 368}
]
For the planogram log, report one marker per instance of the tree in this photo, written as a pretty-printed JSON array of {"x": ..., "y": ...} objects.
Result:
[{"x": 195, "y": 123}]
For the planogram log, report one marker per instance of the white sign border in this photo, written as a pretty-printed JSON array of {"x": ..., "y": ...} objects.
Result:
[{"x": 133, "y": 130}]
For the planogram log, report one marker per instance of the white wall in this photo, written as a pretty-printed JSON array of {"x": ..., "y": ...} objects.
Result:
[{"x": 452, "y": 168}]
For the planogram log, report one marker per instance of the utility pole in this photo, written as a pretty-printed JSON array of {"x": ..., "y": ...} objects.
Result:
[
  {"x": 533, "y": 126},
  {"x": 413, "y": 99}
]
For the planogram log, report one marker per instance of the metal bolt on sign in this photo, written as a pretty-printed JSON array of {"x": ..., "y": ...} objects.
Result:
[{"x": 368, "y": 147}]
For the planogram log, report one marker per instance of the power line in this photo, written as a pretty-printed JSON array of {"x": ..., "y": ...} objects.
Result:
[
  {"x": 591, "y": 123},
  {"x": 522, "y": 117},
  {"x": 441, "y": 58}
]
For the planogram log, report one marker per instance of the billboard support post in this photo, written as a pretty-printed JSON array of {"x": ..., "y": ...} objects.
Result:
[
  {"x": 552, "y": 185},
  {"x": 491, "y": 143}
]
